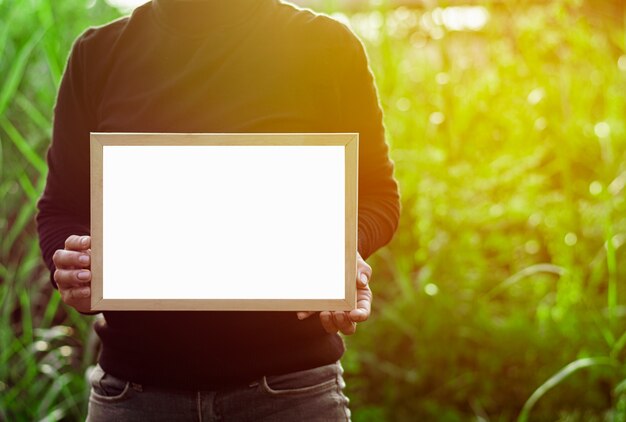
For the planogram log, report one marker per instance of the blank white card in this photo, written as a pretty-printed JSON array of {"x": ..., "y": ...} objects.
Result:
[{"x": 223, "y": 222}]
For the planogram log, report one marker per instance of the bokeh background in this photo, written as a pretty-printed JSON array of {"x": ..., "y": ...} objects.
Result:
[{"x": 502, "y": 295}]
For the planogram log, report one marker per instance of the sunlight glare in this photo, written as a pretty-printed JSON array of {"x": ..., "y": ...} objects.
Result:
[
  {"x": 461, "y": 18},
  {"x": 125, "y": 5}
]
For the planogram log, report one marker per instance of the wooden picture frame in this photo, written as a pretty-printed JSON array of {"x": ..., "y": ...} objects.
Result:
[{"x": 110, "y": 160}]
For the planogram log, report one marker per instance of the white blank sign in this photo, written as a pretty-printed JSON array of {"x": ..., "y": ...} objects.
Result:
[{"x": 224, "y": 221}]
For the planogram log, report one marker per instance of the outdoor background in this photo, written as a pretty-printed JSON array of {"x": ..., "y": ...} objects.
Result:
[{"x": 502, "y": 295}]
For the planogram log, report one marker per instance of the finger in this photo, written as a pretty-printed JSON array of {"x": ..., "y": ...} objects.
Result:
[
  {"x": 363, "y": 279},
  {"x": 79, "y": 298},
  {"x": 360, "y": 314},
  {"x": 344, "y": 323},
  {"x": 66, "y": 259},
  {"x": 304, "y": 315},
  {"x": 364, "y": 271},
  {"x": 78, "y": 243},
  {"x": 363, "y": 306},
  {"x": 71, "y": 296},
  {"x": 327, "y": 322},
  {"x": 70, "y": 278}
]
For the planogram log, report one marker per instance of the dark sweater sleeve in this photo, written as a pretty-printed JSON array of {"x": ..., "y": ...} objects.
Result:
[
  {"x": 379, "y": 196},
  {"x": 63, "y": 208}
]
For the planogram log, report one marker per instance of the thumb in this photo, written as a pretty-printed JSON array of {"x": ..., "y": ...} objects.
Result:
[{"x": 305, "y": 315}]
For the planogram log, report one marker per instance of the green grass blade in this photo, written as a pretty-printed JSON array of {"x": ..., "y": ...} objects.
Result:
[
  {"x": 51, "y": 40},
  {"x": 33, "y": 113},
  {"x": 557, "y": 378},
  {"x": 23, "y": 146},
  {"x": 525, "y": 273},
  {"x": 14, "y": 76},
  {"x": 5, "y": 29},
  {"x": 23, "y": 219},
  {"x": 52, "y": 307},
  {"x": 28, "y": 187}
]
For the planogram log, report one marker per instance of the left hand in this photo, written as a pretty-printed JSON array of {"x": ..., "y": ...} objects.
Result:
[{"x": 346, "y": 321}]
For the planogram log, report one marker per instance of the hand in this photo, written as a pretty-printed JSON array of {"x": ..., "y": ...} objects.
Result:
[
  {"x": 346, "y": 321},
  {"x": 73, "y": 274}
]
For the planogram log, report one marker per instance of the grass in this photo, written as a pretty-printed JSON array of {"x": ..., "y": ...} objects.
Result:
[
  {"x": 501, "y": 296},
  {"x": 43, "y": 348}
]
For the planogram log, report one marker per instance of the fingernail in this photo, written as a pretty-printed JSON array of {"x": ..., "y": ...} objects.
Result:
[
  {"x": 85, "y": 240},
  {"x": 300, "y": 315},
  {"x": 364, "y": 278},
  {"x": 83, "y": 275},
  {"x": 83, "y": 259},
  {"x": 84, "y": 292}
]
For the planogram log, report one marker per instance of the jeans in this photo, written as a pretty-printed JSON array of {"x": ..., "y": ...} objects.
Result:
[{"x": 309, "y": 395}]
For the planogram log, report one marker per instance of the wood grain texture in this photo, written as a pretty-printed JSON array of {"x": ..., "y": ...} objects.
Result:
[
  {"x": 95, "y": 151},
  {"x": 222, "y": 304},
  {"x": 351, "y": 208}
]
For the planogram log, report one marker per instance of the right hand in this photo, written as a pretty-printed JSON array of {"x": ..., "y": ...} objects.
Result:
[{"x": 73, "y": 272}]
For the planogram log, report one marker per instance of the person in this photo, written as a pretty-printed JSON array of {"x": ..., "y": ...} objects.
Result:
[{"x": 214, "y": 66}]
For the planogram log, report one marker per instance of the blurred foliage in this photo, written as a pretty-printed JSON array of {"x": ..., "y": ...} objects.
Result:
[
  {"x": 44, "y": 350},
  {"x": 501, "y": 296},
  {"x": 510, "y": 147}
]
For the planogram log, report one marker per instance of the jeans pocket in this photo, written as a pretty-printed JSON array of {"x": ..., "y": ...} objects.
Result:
[
  {"x": 108, "y": 388},
  {"x": 308, "y": 381}
]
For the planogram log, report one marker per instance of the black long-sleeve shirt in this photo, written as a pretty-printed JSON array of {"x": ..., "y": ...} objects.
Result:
[{"x": 214, "y": 66}]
